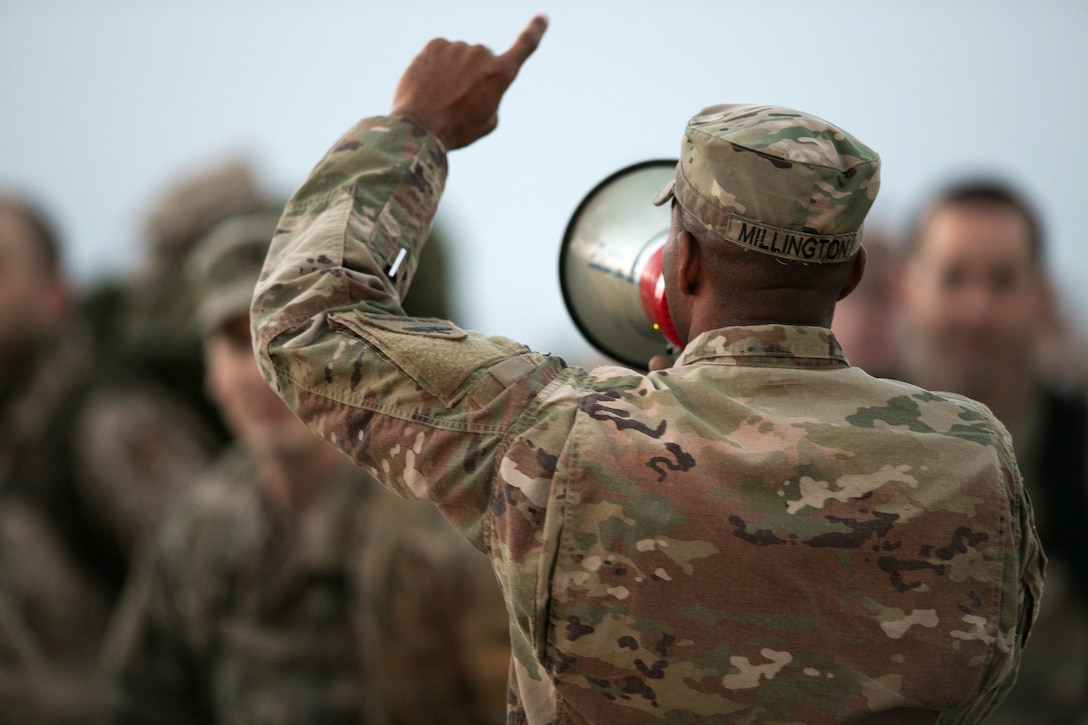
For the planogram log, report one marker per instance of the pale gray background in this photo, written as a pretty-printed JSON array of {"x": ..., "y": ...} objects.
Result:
[{"x": 104, "y": 103}]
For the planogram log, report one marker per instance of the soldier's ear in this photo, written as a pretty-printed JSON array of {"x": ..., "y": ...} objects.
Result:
[{"x": 689, "y": 262}]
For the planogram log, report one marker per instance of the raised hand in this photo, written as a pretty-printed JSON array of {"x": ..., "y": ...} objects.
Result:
[{"x": 454, "y": 89}]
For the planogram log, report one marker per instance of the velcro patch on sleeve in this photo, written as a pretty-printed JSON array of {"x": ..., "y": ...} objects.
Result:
[
  {"x": 423, "y": 326},
  {"x": 436, "y": 354}
]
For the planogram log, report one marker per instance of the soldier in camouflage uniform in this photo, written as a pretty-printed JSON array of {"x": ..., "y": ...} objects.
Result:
[
  {"x": 21, "y": 663},
  {"x": 54, "y": 602},
  {"x": 289, "y": 588},
  {"x": 93, "y": 446},
  {"x": 975, "y": 298},
  {"x": 149, "y": 403},
  {"x": 759, "y": 534}
]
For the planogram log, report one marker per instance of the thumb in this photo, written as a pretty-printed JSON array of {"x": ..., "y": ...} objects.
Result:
[
  {"x": 659, "y": 362},
  {"x": 526, "y": 43}
]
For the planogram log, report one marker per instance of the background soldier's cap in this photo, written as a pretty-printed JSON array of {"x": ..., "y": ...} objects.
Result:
[
  {"x": 776, "y": 180},
  {"x": 225, "y": 265},
  {"x": 192, "y": 206}
]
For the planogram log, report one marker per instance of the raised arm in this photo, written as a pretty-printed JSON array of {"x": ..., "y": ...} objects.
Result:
[{"x": 329, "y": 329}]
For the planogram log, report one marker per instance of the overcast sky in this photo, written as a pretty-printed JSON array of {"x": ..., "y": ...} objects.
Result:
[{"x": 105, "y": 103}]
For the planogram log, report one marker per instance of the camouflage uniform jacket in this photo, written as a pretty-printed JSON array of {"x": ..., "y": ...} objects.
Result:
[
  {"x": 102, "y": 453},
  {"x": 238, "y": 616},
  {"x": 21, "y": 663},
  {"x": 759, "y": 534}
]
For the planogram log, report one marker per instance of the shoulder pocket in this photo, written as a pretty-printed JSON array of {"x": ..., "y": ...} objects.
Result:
[{"x": 436, "y": 354}]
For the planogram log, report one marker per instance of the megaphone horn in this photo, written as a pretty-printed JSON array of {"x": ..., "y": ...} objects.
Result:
[{"x": 610, "y": 265}]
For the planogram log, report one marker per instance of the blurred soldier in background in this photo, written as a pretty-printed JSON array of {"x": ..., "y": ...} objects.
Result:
[
  {"x": 100, "y": 428},
  {"x": 21, "y": 664},
  {"x": 55, "y": 604},
  {"x": 865, "y": 322},
  {"x": 977, "y": 300},
  {"x": 151, "y": 404},
  {"x": 152, "y": 325},
  {"x": 289, "y": 588},
  {"x": 36, "y": 298}
]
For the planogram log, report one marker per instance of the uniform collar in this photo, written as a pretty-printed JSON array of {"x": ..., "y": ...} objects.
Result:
[{"x": 766, "y": 346}]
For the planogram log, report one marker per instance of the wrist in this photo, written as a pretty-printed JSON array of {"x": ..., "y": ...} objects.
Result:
[{"x": 424, "y": 125}]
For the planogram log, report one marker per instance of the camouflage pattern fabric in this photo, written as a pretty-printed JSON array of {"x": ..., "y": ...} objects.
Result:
[
  {"x": 238, "y": 616},
  {"x": 46, "y": 672},
  {"x": 70, "y": 513},
  {"x": 21, "y": 663},
  {"x": 101, "y": 453},
  {"x": 760, "y": 534}
]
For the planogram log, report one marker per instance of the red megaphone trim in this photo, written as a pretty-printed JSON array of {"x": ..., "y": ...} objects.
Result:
[{"x": 651, "y": 292}]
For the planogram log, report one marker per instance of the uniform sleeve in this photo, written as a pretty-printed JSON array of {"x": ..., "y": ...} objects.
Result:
[
  {"x": 423, "y": 405},
  {"x": 1024, "y": 575}
]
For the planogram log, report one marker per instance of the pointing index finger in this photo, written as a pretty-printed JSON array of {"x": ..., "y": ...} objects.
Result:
[{"x": 526, "y": 43}]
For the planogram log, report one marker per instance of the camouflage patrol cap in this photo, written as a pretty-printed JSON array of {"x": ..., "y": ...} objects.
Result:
[
  {"x": 776, "y": 180},
  {"x": 224, "y": 267},
  {"x": 193, "y": 206}
]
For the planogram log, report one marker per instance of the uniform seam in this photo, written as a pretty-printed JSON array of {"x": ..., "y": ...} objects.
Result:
[
  {"x": 546, "y": 568},
  {"x": 998, "y": 597}
]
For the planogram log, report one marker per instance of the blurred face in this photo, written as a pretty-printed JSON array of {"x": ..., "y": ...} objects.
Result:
[
  {"x": 973, "y": 296},
  {"x": 865, "y": 322},
  {"x": 249, "y": 406},
  {"x": 26, "y": 287}
]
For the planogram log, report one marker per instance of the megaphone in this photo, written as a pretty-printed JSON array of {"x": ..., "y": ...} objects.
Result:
[{"x": 610, "y": 265}]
